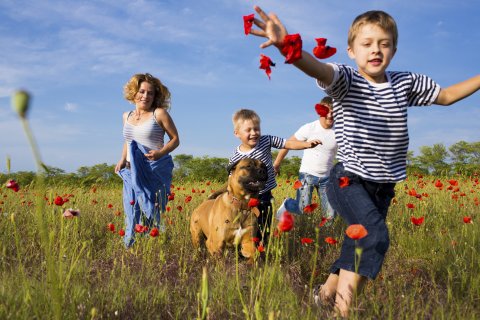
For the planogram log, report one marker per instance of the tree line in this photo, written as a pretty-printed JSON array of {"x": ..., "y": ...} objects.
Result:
[{"x": 461, "y": 157}]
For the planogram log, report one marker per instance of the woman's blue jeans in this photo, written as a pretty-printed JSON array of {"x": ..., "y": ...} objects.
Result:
[
  {"x": 366, "y": 203},
  {"x": 304, "y": 195}
]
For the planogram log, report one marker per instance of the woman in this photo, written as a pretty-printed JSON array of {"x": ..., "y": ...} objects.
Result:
[{"x": 146, "y": 165}]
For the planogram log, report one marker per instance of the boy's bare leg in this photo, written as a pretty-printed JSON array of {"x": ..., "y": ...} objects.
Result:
[{"x": 349, "y": 283}]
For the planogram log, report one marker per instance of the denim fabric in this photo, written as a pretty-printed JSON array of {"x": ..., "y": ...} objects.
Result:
[
  {"x": 304, "y": 195},
  {"x": 147, "y": 185},
  {"x": 361, "y": 202}
]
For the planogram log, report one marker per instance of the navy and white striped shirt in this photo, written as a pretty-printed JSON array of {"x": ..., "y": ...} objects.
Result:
[
  {"x": 263, "y": 152},
  {"x": 371, "y": 120}
]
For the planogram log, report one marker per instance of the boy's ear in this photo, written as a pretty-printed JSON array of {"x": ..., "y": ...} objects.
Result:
[{"x": 350, "y": 52}]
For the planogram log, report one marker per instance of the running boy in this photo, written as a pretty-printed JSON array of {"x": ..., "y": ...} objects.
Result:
[
  {"x": 246, "y": 124},
  {"x": 316, "y": 162},
  {"x": 371, "y": 131}
]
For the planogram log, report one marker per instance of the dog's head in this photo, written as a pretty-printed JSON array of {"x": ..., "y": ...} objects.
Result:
[{"x": 247, "y": 177}]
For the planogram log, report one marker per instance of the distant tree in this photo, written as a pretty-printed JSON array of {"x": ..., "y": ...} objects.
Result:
[
  {"x": 98, "y": 174},
  {"x": 465, "y": 156},
  {"x": 434, "y": 159},
  {"x": 181, "y": 165}
]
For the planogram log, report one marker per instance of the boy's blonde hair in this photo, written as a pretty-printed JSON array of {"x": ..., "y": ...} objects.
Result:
[
  {"x": 162, "y": 94},
  {"x": 378, "y": 18},
  {"x": 244, "y": 114}
]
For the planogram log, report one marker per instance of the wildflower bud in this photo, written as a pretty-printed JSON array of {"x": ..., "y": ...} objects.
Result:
[{"x": 20, "y": 102}]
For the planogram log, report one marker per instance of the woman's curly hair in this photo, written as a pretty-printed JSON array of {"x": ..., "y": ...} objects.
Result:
[{"x": 162, "y": 94}]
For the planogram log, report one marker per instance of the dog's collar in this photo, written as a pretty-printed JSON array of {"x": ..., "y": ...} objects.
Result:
[{"x": 242, "y": 205}]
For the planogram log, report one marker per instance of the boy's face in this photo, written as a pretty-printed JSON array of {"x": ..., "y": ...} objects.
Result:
[
  {"x": 248, "y": 132},
  {"x": 372, "y": 51}
]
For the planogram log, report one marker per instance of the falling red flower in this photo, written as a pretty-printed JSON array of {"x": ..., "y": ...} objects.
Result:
[
  {"x": 286, "y": 222},
  {"x": 322, "y": 51},
  {"x": 310, "y": 208},
  {"x": 248, "y": 23},
  {"x": 58, "y": 201},
  {"x": 322, "y": 110},
  {"x": 410, "y": 206},
  {"x": 417, "y": 221},
  {"x": 188, "y": 199},
  {"x": 330, "y": 240},
  {"x": 292, "y": 47},
  {"x": 467, "y": 219},
  {"x": 111, "y": 227},
  {"x": 132, "y": 202},
  {"x": 306, "y": 240},
  {"x": 265, "y": 64},
  {"x": 12, "y": 184},
  {"x": 356, "y": 231},
  {"x": 154, "y": 233},
  {"x": 121, "y": 232},
  {"x": 343, "y": 182},
  {"x": 252, "y": 202},
  {"x": 297, "y": 185}
]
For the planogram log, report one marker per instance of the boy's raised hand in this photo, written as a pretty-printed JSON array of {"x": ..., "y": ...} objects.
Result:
[
  {"x": 313, "y": 143},
  {"x": 270, "y": 28}
]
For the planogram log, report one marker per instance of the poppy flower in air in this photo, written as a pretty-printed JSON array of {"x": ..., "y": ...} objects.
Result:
[
  {"x": 417, "y": 221},
  {"x": 59, "y": 201},
  {"x": 111, "y": 227},
  {"x": 297, "y": 185},
  {"x": 310, "y": 208},
  {"x": 330, "y": 240},
  {"x": 12, "y": 184},
  {"x": 322, "y": 51},
  {"x": 253, "y": 202},
  {"x": 322, "y": 110},
  {"x": 292, "y": 47},
  {"x": 306, "y": 240},
  {"x": 154, "y": 233},
  {"x": 121, "y": 232},
  {"x": 356, "y": 231},
  {"x": 286, "y": 222},
  {"x": 70, "y": 213},
  {"x": 343, "y": 182},
  {"x": 248, "y": 23},
  {"x": 265, "y": 64},
  {"x": 467, "y": 220}
]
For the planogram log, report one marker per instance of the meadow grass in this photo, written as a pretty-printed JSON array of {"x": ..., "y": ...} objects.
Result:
[{"x": 79, "y": 269}]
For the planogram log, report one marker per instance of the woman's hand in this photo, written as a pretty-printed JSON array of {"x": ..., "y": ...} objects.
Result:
[
  {"x": 120, "y": 165},
  {"x": 153, "y": 155}
]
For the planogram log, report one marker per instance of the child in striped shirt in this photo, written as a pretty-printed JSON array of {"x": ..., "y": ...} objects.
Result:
[
  {"x": 254, "y": 145},
  {"x": 370, "y": 111}
]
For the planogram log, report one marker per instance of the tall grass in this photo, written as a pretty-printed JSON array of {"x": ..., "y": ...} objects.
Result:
[{"x": 431, "y": 270}]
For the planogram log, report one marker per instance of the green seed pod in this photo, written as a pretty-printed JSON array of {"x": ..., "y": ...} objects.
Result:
[{"x": 20, "y": 102}]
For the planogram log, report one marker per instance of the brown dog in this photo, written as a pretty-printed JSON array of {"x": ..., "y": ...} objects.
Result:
[{"x": 226, "y": 217}]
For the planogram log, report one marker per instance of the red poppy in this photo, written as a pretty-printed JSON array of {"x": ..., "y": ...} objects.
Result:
[
  {"x": 140, "y": 229},
  {"x": 58, "y": 201},
  {"x": 438, "y": 184},
  {"x": 248, "y": 23},
  {"x": 297, "y": 185},
  {"x": 118, "y": 213},
  {"x": 188, "y": 199},
  {"x": 132, "y": 202},
  {"x": 412, "y": 192},
  {"x": 110, "y": 206},
  {"x": 323, "y": 221},
  {"x": 467, "y": 219},
  {"x": 322, "y": 110},
  {"x": 286, "y": 222},
  {"x": 417, "y": 221},
  {"x": 330, "y": 240},
  {"x": 356, "y": 231},
  {"x": 260, "y": 248},
  {"x": 265, "y": 64},
  {"x": 253, "y": 202},
  {"x": 292, "y": 47},
  {"x": 111, "y": 227},
  {"x": 306, "y": 240},
  {"x": 344, "y": 182},
  {"x": 154, "y": 233},
  {"x": 121, "y": 232},
  {"x": 179, "y": 208},
  {"x": 171, "y": 196},
  {"x": 410, "y": 206},
  {"x": 256, "y": 239},
  {"x": 12, "y": 184},
  {"x": 322, "y": 51},
  {"x": 168, "y": 209},
  {"x": 310, "y": 208},
  {"x": 453, "y": 182}
]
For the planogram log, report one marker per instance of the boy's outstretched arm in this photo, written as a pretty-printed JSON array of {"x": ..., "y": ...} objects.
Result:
[
  {"x": 458, "y": 91},
  {"x": 271, "y": 27},
  {"x": 300, "y": 145}
]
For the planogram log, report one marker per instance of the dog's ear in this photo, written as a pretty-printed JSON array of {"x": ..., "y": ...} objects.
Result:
[{"x": 232, "y": 166}]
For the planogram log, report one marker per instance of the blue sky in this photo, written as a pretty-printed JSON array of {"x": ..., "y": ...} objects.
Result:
[{"x": 75, "y": 56}]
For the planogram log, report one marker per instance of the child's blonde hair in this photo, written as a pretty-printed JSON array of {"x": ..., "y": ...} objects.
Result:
[
  {"x": 378, "y": 18},
  {"x": 244, "y": 114}
]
